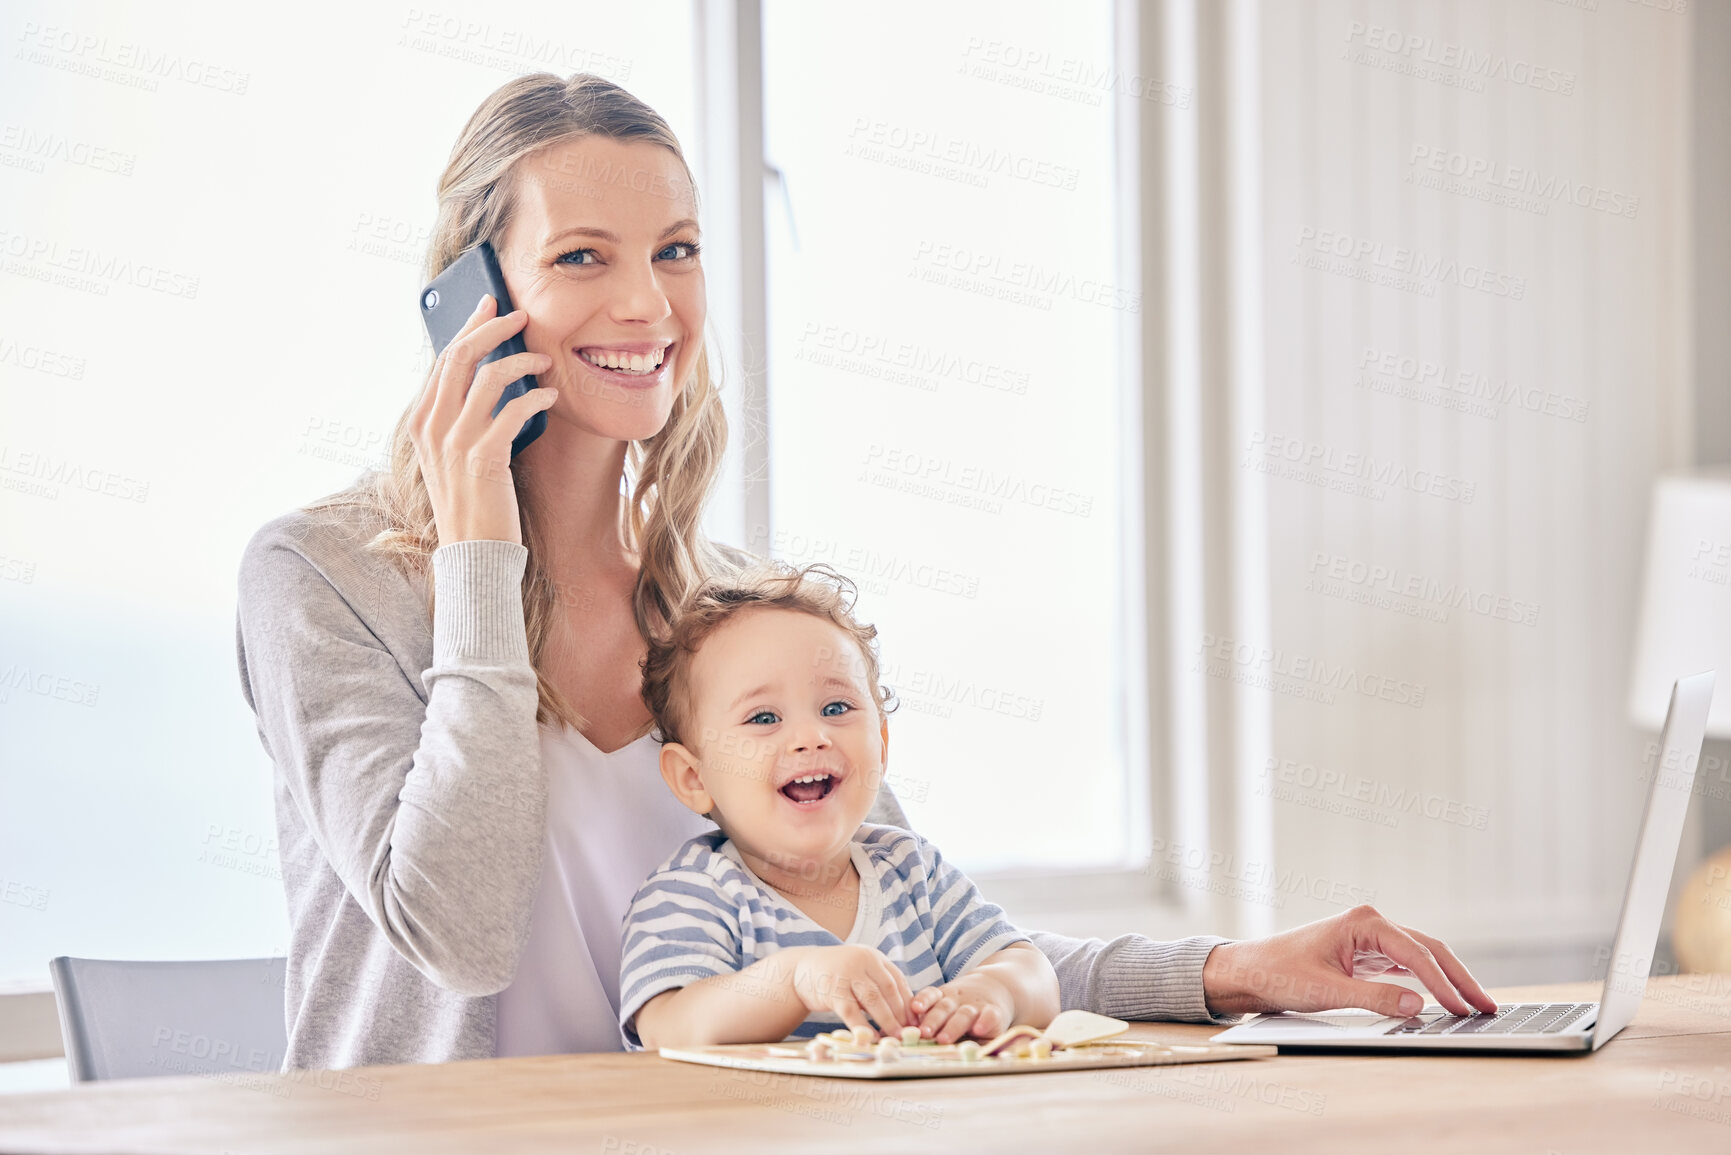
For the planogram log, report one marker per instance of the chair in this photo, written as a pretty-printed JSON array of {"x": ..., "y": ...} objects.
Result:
[{"x": 131, "y": 1020}]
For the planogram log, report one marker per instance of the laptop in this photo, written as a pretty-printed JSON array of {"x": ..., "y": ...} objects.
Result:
[{"x": 1543, "y": 1027}]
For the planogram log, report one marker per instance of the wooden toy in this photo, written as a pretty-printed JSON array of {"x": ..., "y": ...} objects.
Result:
[{"x": 1075, "y": 1040}]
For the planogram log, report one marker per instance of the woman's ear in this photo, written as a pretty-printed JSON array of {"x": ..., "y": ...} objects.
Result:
[{"x": 679, "y": 771}]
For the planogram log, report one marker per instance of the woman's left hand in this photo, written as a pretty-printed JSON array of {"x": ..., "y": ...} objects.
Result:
[{"x": 1315, "y": 967}]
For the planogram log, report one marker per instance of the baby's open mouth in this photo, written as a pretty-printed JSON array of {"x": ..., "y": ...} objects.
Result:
[{"x": 809, "y": 788}]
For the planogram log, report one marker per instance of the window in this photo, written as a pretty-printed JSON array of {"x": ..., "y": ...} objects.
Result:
[
  {"x": 211, "y": 320},
  {"x": 947, "y": 396}
]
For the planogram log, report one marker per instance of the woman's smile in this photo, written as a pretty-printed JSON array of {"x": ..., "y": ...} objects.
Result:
[{"x": 629, "y": 364}]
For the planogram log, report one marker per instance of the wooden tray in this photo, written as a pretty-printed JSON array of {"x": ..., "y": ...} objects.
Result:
[{"x": 863, "y": 1064}]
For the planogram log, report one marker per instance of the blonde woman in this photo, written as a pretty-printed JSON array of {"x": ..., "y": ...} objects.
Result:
[{"x": 444, "y": 658}]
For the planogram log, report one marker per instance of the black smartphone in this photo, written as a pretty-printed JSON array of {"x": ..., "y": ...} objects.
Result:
[{"x": 449, "y": 302}]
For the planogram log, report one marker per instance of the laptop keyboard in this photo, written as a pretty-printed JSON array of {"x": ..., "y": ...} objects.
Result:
[{"x": 1514, "y": 1019}]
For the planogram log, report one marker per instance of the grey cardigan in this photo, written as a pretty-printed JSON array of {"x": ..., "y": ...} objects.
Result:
[{"x": 410, "y": 800}]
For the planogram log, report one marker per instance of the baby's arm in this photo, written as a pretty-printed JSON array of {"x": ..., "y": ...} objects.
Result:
[
  {"x": 754, "y": 1005},
  {"x": 1015, "y": 985},
  {"x": 769, "y": 998}
]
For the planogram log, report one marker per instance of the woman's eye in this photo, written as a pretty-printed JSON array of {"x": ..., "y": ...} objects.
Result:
[
  {"x": 836, "y": 708},
  {"x": 762, "y": 718},
  {"x": 678, "y": 251},
  {"x": 593, "y": 256}
]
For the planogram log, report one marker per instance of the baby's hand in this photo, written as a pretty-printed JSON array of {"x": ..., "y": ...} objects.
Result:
[
  {"x": 975, "y": 1004},
  {"x": 852, "y": 982}
]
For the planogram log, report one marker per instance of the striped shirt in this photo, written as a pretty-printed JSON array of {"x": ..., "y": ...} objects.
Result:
[{"x": 704, "y": 913}]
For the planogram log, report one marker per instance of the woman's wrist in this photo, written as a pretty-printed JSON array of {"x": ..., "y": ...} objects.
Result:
[
  {"x": 478, "y": 603},
  {"x": 1227, "y": 980}
]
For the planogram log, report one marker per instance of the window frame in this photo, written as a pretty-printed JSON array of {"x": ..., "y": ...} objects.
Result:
[{"x": 1142, "y": 895}]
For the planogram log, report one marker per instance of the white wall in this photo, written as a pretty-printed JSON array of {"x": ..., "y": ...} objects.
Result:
[{"x": 1520, "y": 724}]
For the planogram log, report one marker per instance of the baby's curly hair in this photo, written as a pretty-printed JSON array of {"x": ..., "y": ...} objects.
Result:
[{"x": 815, "y": 589}]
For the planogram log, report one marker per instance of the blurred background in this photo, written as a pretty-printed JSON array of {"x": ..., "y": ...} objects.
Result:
[{"x": 1275, "y": 440}]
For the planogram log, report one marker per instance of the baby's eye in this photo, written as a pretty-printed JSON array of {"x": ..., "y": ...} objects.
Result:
[
  {"x": 762, "y": 718},
  {"x": 835, "y": 709},
  {"x": 590, "y": 253}
]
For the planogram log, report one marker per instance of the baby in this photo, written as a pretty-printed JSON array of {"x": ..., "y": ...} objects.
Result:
[{"x": 797, "y": 916}]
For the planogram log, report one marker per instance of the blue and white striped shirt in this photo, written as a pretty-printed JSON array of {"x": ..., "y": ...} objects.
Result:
[{"x": 704, "y": 913}]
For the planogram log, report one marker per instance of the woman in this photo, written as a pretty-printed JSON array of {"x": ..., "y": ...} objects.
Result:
[{"x": 444, "y": 658}]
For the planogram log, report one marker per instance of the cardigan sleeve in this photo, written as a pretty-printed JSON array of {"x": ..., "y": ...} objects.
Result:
[
  {"x": 1130, "y": 977},
  {"x": 429, "y": 810}
]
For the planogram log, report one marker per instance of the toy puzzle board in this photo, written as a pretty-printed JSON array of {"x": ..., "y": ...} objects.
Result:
[{"x": 787, "y": 1059}]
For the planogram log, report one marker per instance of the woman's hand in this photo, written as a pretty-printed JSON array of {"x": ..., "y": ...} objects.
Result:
[
  {"x": 852, "y": 982},
  {"x": 1313, "y": 968},
  {"x": 465, "y": 452}
]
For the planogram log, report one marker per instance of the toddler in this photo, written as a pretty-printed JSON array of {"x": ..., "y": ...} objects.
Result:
[{"x": 796, "y": 916}]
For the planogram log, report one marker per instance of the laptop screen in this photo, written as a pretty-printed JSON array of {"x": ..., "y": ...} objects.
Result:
[{"x": 1655, "y": 855}]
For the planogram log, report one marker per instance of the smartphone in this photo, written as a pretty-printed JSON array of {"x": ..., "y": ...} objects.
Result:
[{"x": 449, "y": 302}]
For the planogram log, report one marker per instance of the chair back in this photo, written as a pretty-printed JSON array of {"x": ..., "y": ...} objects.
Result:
[{"x": 132, "y": 1020}]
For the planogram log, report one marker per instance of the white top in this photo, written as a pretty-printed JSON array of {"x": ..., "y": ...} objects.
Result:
[{"x": 611, "y": 821}]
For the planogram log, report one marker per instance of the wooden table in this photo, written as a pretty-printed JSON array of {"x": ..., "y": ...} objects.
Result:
[{"x": 1664, "y": 1084}]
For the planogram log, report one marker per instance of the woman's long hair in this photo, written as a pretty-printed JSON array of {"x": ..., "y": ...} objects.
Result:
[{"x": 669, "y": 474}]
